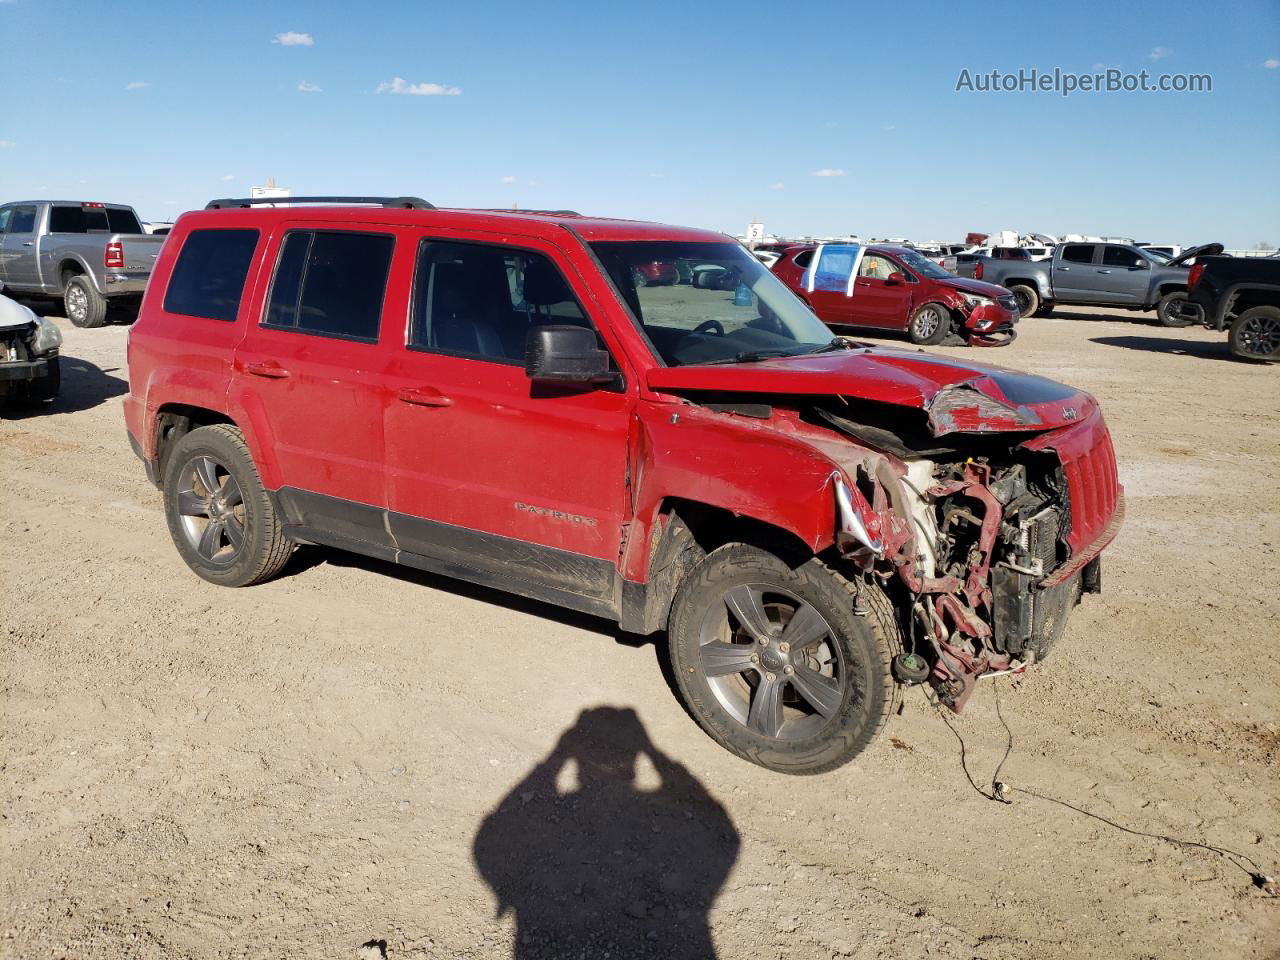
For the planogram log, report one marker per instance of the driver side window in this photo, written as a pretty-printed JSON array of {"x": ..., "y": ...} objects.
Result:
[{"x": 877, "y": 268}]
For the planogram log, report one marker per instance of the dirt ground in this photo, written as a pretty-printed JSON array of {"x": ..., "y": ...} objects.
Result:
[{"x": 356, "y": 754}]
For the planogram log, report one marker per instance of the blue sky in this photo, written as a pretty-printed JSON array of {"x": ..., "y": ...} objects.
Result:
[{"x": 694, "y": 113}]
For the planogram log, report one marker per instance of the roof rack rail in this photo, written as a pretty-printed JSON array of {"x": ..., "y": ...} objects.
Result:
[
  {"x": 407, "y": 203},
  {"x": 543, "y": 213}
]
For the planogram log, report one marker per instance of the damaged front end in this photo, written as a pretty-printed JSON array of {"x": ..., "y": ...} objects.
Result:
[{"x": 974, "y": 533}]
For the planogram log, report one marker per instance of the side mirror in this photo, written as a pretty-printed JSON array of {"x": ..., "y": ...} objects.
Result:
[
  {"x": 895, "y": 278},
  {"x": 1141, "y": 265},
  {"x": 565, "y": 354}
]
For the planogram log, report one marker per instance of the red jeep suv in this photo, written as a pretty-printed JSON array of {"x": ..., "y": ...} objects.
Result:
[
  {"x": 493, "y": 396},
  {"x": 897, "y": 288}
]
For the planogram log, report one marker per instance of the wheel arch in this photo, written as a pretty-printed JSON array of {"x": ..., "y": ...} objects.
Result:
[
  {"x": 173, "y": 421},
  {"x": 71, "y": 265},
  {"x": 682, "y": 533}
]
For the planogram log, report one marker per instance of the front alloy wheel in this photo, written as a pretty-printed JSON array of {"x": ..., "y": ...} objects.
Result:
[{"x": 773, "y": 663}]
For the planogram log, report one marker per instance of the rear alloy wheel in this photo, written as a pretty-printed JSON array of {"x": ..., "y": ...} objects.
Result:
[
  {"x": 1169, "y": 309},
  {"x": 1255, "y": 334},
  {"x": 773, "y": 663},
  {"x": 930, "y": 324},
  {"x": 220, "y": 517},
  {"x": 85, "y": 306},
  {"x": 1027, "y": 298}
]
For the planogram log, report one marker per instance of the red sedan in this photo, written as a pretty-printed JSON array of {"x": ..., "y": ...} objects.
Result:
[{"x": 897, "y": 288}]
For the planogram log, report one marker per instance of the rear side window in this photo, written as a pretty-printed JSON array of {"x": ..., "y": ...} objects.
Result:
[
  {"x": 803, "y": 258},
  {"x": 67, "y": 220},
  {"x": 331, "y": 283},
  {"x": 208, "y": 279},
  {"x": 1078, "y": 253}
]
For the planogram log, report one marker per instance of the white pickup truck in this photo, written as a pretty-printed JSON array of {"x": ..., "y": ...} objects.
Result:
[{"x": 90, "y": 255}]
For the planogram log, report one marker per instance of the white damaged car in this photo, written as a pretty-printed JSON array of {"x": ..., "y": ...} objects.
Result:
[{"x": 28, "y": 353}]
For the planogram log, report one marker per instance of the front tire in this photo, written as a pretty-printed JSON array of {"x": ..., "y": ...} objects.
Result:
[
  {"x": 220, "y": 516},
  {"x": 85, "y": 306},
  {"x": 930, "y": 324},
  {"x": 1255, "y": 334},
  {"x": 1169, "y": 309},
  {"x": 1028, "y": 300},
  {"x": 773, "y": 663}
]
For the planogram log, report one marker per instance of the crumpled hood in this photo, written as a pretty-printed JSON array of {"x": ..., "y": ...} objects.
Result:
[
  {"x": 14, "y": 314},
  {"x": 959, "y": 396},
  {"x": 979, "y": 287}
]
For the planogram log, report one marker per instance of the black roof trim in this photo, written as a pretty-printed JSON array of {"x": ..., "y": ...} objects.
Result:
[{"x": 406, "y": 203}]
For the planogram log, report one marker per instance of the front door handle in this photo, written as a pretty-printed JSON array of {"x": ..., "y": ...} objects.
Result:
[
  {"x": 28, "y": 243},
  {"x": 1104, "y": 271},
  {"x": 266, "y": 368},
  {"x": 423, "y": 397}
]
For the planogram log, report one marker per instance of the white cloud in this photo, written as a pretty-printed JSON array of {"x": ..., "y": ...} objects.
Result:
[
  {"x": 5, "y": 144},
  {"x": 1271, "y": 63},
  {"x": 1160, "y": 53},
  {"x": 291, "y": 39},
  {"x": 827, "y": 172},
  {"x": 508, "y": 179},
  {"x": 228, "y": 176},
  {"x": 306, "y": 86},
  {"x": 137, "y": 85},
  {"x": 398, "y": 85},
  {"x": 777, "y": 186}
]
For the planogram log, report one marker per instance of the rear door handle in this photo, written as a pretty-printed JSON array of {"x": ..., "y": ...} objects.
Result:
[
  {"x": 1104, "y": 271},
  {"x": 266, "y": 368},
  {"x": 424, "y": 397},
  {"x": 28, "y": 243}
]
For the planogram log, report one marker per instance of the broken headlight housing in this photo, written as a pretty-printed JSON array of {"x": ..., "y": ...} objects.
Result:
[
  {"x": 973, "y": 405},
  {"x": 972, "y": 301},
  {"x": 47, "y": 337}
]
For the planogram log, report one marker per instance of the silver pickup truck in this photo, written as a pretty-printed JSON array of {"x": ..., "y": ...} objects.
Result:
[
  {"x": 1099, "y": 274},
  {"x": 90, "y": 255}
]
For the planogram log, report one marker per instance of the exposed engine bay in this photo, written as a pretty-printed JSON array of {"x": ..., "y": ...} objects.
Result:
[{"x": 988, "y": 527}]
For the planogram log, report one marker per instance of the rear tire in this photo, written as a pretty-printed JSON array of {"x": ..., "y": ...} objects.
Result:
[
  {"x": 220, "y": 516},
  {"x": 1255, "y": 334},
  {"x": 84, "y": 305},
  {"x": 1169, "y": 309},
  {"x": 1028, "y": 299},
  {"x": 820, "y": 688}
]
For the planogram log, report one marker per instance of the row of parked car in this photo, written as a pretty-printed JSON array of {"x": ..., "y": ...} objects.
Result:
[{"x": 97, "y": 258}]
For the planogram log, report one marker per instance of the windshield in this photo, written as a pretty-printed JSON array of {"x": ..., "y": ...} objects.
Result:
[
  {"x": 922, "y": 265},
  {"x": 1156, "y": 256},
  {"x": 710, "y": 302}
]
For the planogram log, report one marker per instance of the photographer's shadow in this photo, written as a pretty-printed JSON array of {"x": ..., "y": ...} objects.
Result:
[{"x": 593, "y": 863}]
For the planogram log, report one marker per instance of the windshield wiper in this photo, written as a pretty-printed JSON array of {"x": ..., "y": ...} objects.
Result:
[
  {"x": 752, "y": 356},
  {"x": 837, "y": 343}
]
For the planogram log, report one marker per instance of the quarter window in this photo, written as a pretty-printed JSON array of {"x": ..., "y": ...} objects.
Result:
[
  {"x": 208, "y": 279},
  {"x": 1078, "y": 253},
  {"x": 479, "y": 301},
  {"x": 331, "y": 283}
]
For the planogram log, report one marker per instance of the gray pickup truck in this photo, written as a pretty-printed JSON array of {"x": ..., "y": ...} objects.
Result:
[
  {"x": 90, "y": 255},
  {"x": 1097, "y": 274}
]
